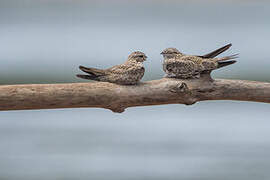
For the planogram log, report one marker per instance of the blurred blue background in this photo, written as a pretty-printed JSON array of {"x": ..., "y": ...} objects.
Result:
[{"x": 44, "y": 41}]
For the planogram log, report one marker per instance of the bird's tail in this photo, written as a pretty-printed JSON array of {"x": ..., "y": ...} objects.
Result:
[
  {"x": 225, "y": 63},
  {"x": 217, "y": 51},
  {"x": 92, "y": 71},
  {"x": 90, "y": 77},
  {"x": 234, "y": 56}
]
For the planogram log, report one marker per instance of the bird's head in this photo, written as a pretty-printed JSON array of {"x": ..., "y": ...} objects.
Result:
[
  {"x": 170, "y": 53},
  {"x": 137, "y": 56}
]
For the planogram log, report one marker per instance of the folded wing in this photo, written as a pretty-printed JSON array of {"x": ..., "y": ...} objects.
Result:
[{"x": 216, "y": 52}]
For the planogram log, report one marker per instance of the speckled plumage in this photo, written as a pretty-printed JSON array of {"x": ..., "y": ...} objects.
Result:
[
  {"x": 128, "y": 73},
  {"x": 179, "y": 65}
]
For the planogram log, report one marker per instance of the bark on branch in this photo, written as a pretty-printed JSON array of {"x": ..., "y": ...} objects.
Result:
[{"x": 118, "y": 97}]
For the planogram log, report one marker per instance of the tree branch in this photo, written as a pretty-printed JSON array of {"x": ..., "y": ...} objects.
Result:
[{"x": 118, "y": 97}]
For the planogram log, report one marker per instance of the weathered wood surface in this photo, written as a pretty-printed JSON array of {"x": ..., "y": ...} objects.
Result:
[{"x": 118, "y": 97}]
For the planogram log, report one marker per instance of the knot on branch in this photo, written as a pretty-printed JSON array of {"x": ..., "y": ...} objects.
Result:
[{"x": 180, "y": 88}]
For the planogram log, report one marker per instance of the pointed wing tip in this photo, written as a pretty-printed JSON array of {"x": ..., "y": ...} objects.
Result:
[
  {"x": 217, "y": 51},
  {"x": 80, "y": 75},
  {"x": 227, "y": 46},
  {"x": 81, "y": 67}
]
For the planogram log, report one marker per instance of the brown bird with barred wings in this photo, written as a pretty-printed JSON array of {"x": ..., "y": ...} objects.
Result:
[
  {"x": 179, "y": 65},
  {"x": 128, "y": 73}
]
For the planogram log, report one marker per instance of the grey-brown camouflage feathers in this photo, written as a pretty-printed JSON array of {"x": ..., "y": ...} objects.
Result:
[
  {"x": 179, "y": 65},
  {"x": 128, "y": 73}
]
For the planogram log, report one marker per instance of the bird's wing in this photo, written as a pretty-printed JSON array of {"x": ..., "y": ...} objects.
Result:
[
  {"x": 216, "y": 52},
  {"x": 180, "y": 66},
  {"x": 123, "y": 68}
]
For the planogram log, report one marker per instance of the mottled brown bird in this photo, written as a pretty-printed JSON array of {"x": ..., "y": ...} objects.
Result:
[
  {"x": 128, "y": 73},
  {"x": 179, "y": 65}
]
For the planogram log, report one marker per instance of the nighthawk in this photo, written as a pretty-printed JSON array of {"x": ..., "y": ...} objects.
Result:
[
  {"x": 128, "y": 73},
  {"x": 179, "y": 65}
]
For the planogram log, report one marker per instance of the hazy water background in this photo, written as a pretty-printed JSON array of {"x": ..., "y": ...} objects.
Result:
[{"x": 45, "y": 41}]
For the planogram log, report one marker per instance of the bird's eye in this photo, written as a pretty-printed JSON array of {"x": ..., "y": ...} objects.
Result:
[{"x": 141, "y": 56}]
